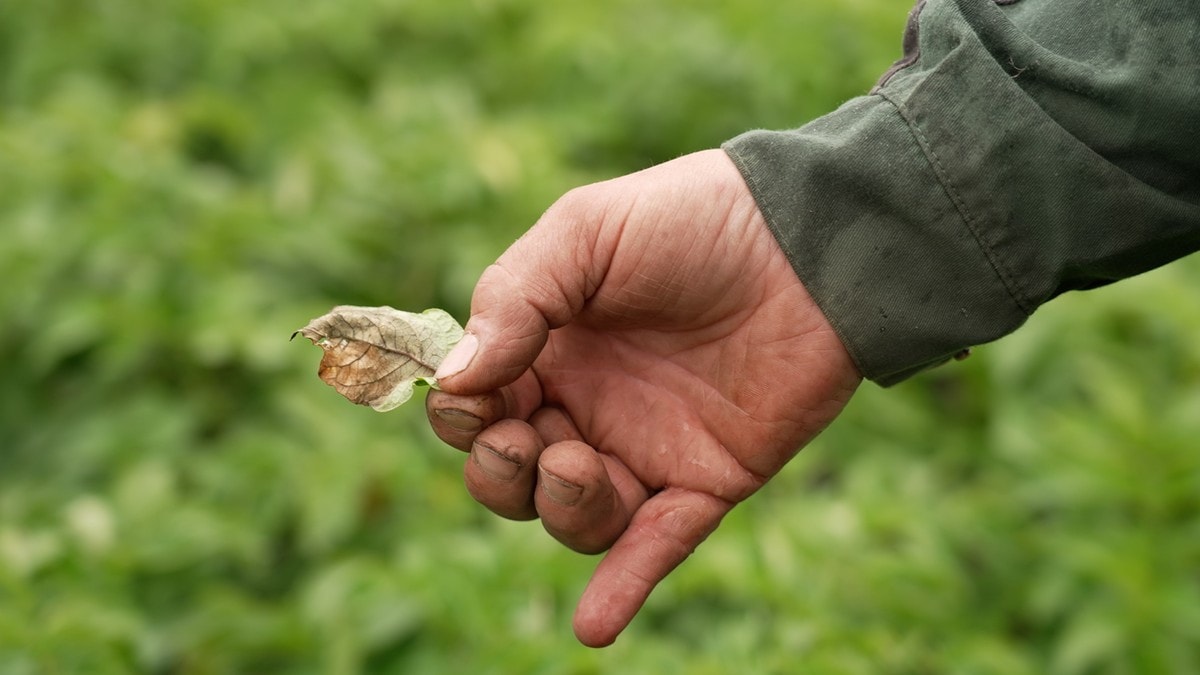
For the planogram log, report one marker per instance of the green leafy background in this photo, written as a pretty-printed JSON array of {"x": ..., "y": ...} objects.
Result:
[{"x": 184, "y": 183}]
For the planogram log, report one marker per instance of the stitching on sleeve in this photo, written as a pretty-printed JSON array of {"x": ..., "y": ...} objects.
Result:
[{"x": 1003, "y": 272}]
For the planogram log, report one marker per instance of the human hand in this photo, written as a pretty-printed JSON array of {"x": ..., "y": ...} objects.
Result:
[{"x": 640, "y": 361}]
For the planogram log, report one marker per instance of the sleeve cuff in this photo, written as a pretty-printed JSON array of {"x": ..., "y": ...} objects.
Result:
[
  {"x": 982, "y": 179},
  {"x": 877, "y": 240}
]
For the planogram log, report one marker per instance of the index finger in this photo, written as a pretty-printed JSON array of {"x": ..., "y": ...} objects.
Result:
[{"x": 458, "y": 419}]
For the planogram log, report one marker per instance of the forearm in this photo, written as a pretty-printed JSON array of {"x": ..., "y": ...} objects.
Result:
[{"x": 1026, "y": 151}]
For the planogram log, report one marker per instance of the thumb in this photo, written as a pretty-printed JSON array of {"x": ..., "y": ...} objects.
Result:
[{"x": 541, "y": 282}]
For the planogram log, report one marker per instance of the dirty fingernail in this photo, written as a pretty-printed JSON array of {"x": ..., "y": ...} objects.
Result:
[
  {"x": 459, "y": 358},
  {"x": 562, "y": 491},
  {"x": 493, "y": 463},
  {"x": 459, "y": 420}
]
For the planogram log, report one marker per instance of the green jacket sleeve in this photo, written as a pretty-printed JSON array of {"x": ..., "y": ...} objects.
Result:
[{"x": 1020, "y": 149}]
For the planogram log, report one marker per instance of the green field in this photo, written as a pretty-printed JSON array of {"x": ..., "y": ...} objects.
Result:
[{"x": 183, "y": 183}]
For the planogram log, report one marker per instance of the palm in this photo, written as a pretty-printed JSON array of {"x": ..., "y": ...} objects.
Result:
[
  {"x": 686, "y": 364},
  {"x": 694, "y": 362},
  {"x": 716, "y": 408}
]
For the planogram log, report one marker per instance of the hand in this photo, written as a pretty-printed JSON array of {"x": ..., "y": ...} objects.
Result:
[{"x": 640, "y": 361}]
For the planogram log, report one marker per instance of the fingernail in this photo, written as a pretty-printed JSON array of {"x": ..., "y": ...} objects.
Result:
[
  {"x": 459, "y": 420},
  {"x": 561, "y": 491},
  {"x": 459, "y": 358},
  {"x": 493, "y": 463}
]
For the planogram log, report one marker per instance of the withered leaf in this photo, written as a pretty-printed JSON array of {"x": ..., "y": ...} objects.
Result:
[{"x": 374, "y": 355}]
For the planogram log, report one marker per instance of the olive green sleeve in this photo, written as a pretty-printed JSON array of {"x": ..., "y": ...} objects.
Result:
[{"x": 1019, "y": 150}]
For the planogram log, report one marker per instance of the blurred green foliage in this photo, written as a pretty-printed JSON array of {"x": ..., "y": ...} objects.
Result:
[{"x": 184, "y": 183}]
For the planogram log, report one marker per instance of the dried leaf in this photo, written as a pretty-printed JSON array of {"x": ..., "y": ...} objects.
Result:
[{"x": 374, "y": 355}]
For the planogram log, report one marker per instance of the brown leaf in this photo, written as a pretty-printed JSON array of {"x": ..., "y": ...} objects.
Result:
[{"x": 374, "y": 355}]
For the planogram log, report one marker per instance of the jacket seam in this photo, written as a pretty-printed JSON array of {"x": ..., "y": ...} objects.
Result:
[{"x": 1001, "y": 270}]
